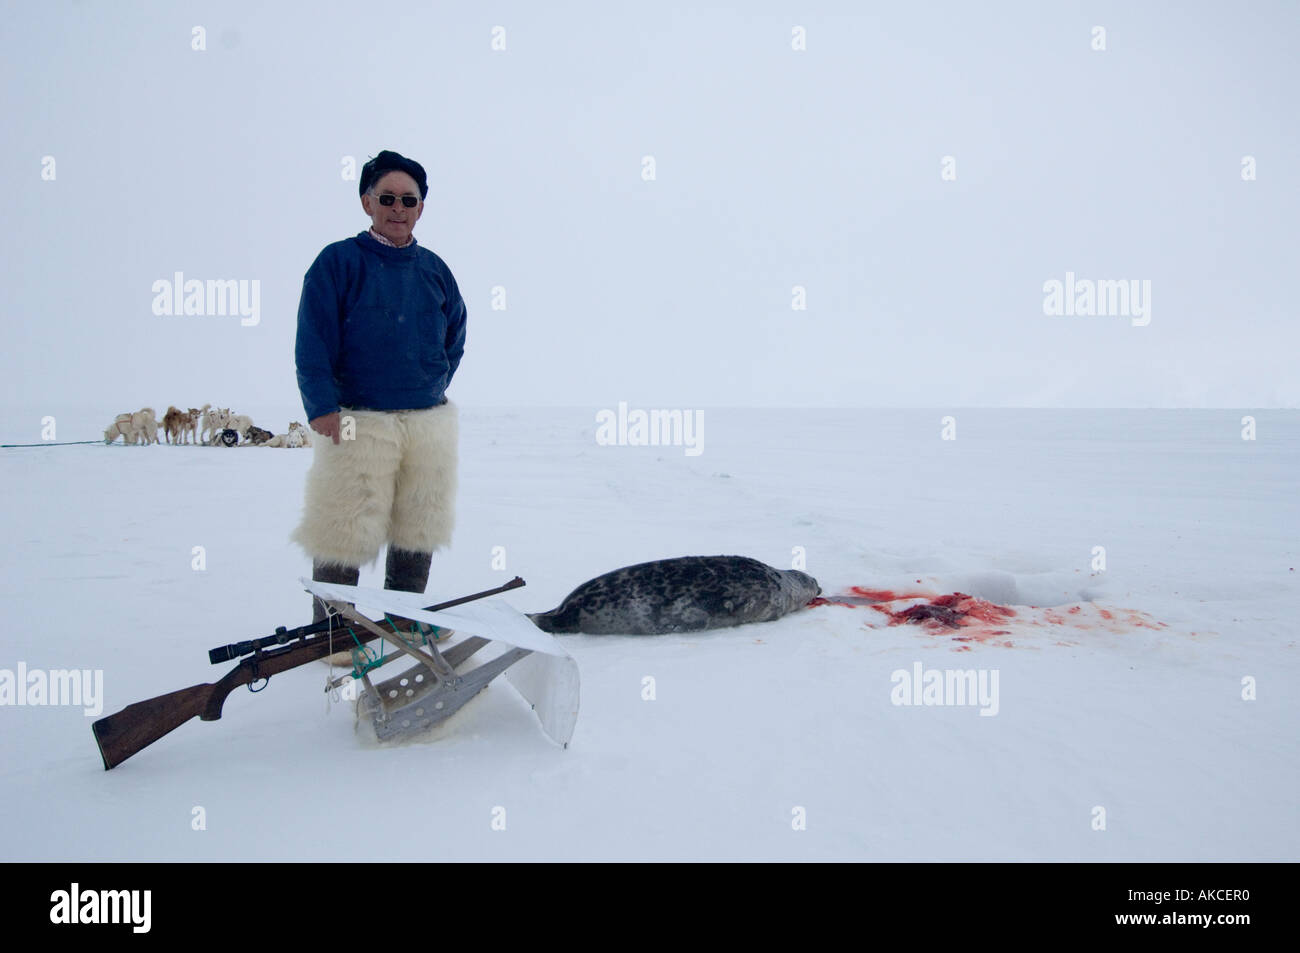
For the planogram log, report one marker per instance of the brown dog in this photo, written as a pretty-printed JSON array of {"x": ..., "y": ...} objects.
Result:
[
  {"x": 171, "y": 425},
  {"x": 190, "y": 422}
]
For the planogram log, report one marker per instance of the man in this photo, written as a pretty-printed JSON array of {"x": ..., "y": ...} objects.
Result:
[{"x": 381, "y": 331}]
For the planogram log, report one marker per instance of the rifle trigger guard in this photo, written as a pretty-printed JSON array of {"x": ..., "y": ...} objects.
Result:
[{"x": 257, "y": 675}]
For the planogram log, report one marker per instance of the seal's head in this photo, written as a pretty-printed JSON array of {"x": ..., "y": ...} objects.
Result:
[{"x": 802, "y": 587}]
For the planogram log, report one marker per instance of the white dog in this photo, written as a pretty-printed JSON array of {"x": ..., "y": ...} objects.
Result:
[
  {"x": 214, "y": 421},
  {"x": 120, "y": 427},
  {"x": 239, "y": 422},
  {"x": 139, "y": 427},
  {"x": 149, "y": 426},
  {"x": 296, "y": 437}
]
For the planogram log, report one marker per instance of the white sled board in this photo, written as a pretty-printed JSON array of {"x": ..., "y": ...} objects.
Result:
[
  {"x": 550, "y": 684},
  {"x": 547, "y": 679},
  {"x": 489, "y": 619}
]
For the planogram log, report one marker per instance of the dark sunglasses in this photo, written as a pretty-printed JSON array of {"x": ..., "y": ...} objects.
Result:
[{"x": 410, "y": 201}]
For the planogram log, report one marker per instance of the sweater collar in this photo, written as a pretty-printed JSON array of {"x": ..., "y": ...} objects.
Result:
[
  {"x": 387, "y": 241},
  {"x": 387, "y": 249}
]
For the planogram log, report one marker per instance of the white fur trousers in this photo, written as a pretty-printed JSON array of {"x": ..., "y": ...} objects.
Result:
[{"x": 393, "y": 483}]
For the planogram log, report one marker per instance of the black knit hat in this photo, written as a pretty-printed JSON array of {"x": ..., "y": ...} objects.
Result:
[{"x": 386, "y": 162}]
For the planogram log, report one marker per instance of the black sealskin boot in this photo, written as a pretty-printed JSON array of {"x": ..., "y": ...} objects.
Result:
[
  {"x": 407, "y": 570},
  {"x": 331, "y": 572}
]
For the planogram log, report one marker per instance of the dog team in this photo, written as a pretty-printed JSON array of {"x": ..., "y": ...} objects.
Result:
[{"x": 212, "y": 427}]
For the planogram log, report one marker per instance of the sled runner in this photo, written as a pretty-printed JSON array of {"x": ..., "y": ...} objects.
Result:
[{"x": 439, "y": 684}]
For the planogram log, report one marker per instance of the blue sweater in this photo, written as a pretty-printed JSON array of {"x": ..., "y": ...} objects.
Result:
[{"x": 379, "y": 328}]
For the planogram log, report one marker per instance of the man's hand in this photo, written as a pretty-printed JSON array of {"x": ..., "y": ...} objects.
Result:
[{"x": 327, "y": 425}]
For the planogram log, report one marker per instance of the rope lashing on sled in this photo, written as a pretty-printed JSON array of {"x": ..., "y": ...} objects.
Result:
[
  {"x": 421, "y": 629},
  {"x": 363, "y": 656},
  {"x": 335, "y": 694}
]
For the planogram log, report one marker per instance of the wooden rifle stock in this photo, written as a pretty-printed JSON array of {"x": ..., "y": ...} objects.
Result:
[{"x": 137, "y": 726}]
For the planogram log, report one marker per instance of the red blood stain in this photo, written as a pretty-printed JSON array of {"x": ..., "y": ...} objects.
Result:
[
  {"x": 953, "y": 611},
  {"x": 981, "y": 610},
  {"x": 1135, "y": 619},
  {"x": 858, "y": 596},
  {"x": 944, "y": 615},
  {"x": 965, "y": 618}
]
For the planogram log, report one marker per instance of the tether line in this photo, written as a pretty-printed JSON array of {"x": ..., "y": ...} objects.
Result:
[{"x": 49, "y": 443}]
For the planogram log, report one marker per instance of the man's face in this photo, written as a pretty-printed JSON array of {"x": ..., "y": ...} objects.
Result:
[{"x": 394, "y": 221}]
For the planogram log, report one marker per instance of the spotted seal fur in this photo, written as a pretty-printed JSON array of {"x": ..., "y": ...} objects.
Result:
[{"x": 686, "y": 594}]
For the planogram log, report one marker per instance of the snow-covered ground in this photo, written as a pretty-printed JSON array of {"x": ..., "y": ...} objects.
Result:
[{"x": 769, "y": 741}]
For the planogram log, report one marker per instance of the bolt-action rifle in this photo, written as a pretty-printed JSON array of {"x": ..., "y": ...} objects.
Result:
[{"x": 137, "y": 726}]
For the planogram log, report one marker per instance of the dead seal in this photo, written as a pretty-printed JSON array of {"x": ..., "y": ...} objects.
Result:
[{"x": 685, "y": 594}]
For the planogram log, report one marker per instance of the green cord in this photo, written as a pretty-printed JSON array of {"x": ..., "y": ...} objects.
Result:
[
  {"x": 363, "y": 656},
  {"x": 417, "y": 629}
]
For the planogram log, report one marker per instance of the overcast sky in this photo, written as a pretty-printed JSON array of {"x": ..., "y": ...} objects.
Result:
[{"x": 774, "y": 168}]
